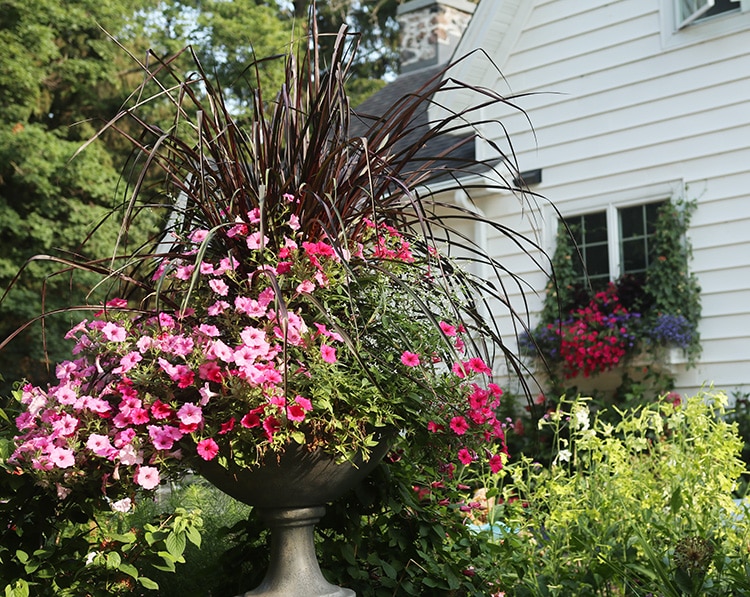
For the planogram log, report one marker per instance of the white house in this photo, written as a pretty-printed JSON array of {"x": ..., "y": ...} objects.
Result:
[{"x": 631, "y": 102}]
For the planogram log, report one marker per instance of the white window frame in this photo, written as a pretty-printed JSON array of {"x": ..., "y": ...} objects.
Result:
[
  {"x": 676, "y": 32},
  {"x": 611, "y": 203},
  {"x": 701, "y": 8}
]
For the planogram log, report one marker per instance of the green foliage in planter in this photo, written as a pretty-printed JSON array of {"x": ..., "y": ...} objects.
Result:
[
  {"x": 643, "y": 507},
  {"x": 662, "y": 309}
]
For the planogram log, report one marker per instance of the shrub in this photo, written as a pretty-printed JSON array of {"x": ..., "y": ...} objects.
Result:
[{"x": 643, "y": 507}]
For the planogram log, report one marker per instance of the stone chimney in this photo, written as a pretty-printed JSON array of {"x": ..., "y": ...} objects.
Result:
[{"x": 430, "y": 31}]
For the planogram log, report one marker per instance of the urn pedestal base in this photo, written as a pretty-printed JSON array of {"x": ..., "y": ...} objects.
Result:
[{"x": 294, "y": 569}]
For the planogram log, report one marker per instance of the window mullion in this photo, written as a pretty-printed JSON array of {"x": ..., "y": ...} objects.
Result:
[{"x": 613, "y": 241}]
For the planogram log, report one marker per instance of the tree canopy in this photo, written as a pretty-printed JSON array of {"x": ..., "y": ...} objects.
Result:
[{"x": 67, "y": 71}]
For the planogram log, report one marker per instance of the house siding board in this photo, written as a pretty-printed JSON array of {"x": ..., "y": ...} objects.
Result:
[{"x": 614, "y": 109}]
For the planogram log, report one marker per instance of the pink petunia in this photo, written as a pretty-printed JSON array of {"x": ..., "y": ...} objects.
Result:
[
  {"x": 328, "y": 353},
  {"x": 207, "y": 449},
  {"x": 304, "y": 403},
  {"x": 448, "y": 330},
  {"x": 459, "y": 425},
  {"x": 161, "y": 411},
  {"x": 271, "y": 425},
  {"x": 464, "y": 457},
  {"x": 251, "y": 419},
  {"x": 410, "y": 359},
  {"x": 295, "y": 413},
  {"x": 478, "y": 365},
  {"x": 147, "y": 477},
  {"x": 433, "y": 427}
]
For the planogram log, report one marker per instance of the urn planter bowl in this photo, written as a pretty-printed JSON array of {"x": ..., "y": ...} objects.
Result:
[{"x": 291, "y": 491}]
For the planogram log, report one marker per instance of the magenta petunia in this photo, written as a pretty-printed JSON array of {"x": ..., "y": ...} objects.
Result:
[
  {"x": 410, "y": 359},
  {"x": 496, "y": 463},
  {"x": 464, "y": 457},
  {"x": 459, "y": 425},
  {"x": 207, "y": 449}
]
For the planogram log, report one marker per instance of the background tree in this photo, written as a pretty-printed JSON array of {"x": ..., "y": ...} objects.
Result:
[{"x": 63, "y": 77}]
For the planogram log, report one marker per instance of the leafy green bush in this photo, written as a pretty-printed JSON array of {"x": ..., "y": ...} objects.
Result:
[{"x": 641, "y": 507}]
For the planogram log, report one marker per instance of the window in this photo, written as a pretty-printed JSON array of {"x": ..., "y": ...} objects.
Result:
[
  {"x": 689, "y": 11},
  {"x": 614, "y": 242}
]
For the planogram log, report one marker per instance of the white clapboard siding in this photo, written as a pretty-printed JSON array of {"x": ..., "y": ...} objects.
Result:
[{"x": 614, "y": 108}]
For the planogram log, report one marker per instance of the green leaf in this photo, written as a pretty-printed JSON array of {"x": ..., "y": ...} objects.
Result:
[
  {"x": 113, "y": 560},
  {"x": 128, "y": 569},
  {"x": 175, "y": 544},
  {"x": 147, "y": 583}
]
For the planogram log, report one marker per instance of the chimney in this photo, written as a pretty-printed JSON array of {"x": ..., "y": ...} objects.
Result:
[{"x": 431, "y": 30}]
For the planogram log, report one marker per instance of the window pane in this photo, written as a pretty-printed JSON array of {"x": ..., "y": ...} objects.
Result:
[
  {"x": 690, "y": 10},
  {"x": 652, "y": 212},
  {"x": 597, "y": 260},
  {"x": 590, "y": 234},
  {"x": 634, "y": 255},
  {"x": 637, "y": 225},
  {"x": 631, "y": 222},
  {"x": 595, "y": 228}
]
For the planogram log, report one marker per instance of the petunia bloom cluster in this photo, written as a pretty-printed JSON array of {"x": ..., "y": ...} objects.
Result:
[{"x": 240, "y": 359}]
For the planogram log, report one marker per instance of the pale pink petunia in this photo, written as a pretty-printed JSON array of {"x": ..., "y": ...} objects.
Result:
[
  {"x": 207, "y": 449},
  {"x": 62, "y": 457},
  {"x": 410, "y": 359},
  {"x": 65, "y": 425},
  {"x": 166, "y": 321},
  {"x": 328, "y": 353},
  {"x": 113, "y": 332},
  {"x": 128, "y": 362},
  {"x": 221, "y": 351},
  {"x": 198, "y": 236},
  {"x": 217, "y": 308},
  {"x": 294, "y": 222},
  {"x": 219, "y": 286},
  {"x": 305, "y": 287},
  {"x": 190, "y": 414},
  {"x": 129, "y": 456},
  {"x": 147, "y": 477},
  {"x": 255, "y": 241},
  {"x": 184, "y": 272},
  {"x": 100, "y": 445},
  {"x": 209, "y": 330},
  {"x": 249, "y": 306},
  {"x": 64, "y": 394}
]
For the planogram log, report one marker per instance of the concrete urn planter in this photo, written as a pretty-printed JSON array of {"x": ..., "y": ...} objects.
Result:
[{"x": 290, "y": 493}]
